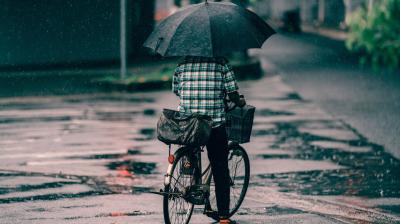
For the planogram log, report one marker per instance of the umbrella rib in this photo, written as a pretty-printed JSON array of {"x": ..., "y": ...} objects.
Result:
[
  {"x": 177, "y": 27},
  {"x": 242, "y": 12},
  {"x": 180, "y": 13},
  {"x": 210, "y": 32}
]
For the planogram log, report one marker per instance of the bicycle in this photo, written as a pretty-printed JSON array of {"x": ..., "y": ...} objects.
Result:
[{"x": 186, "y": 184}]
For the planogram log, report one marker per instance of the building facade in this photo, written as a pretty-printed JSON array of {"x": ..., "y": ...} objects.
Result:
[
  {"x": 333, "y": 13},
  {"x": 70, "y": 33}
]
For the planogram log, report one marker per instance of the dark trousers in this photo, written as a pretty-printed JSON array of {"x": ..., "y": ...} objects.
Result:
[{"x": 217, "y": 149}]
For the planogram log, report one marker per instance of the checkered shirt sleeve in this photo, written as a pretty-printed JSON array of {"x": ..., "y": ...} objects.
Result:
[
  {"x": 176, "y": 82},
  {"x": 230, "y": 84}
]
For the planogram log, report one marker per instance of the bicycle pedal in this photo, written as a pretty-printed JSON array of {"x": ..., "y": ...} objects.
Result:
[{"x": 160, "y": 192}]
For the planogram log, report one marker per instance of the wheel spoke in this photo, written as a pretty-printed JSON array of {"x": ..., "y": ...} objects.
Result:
[{"x": 179, "y": 210}]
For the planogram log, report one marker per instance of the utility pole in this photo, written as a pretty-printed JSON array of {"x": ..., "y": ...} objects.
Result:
[
  {"x": 321, "y": 12},
  {"x": 122, "y": 41}
]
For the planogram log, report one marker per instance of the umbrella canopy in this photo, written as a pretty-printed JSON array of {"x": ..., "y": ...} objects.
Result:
[{"x": 209, "y": 29}]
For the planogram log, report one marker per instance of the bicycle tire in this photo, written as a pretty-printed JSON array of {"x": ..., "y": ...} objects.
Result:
[
  {"x": 180, "y": 153},
  {"x": 246, "y": 180}
]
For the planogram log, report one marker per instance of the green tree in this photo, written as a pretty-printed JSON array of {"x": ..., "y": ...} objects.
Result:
[{"x": 375, "y": 33}]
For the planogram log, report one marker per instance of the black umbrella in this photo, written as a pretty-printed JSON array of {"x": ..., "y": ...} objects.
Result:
[{"x": 209, "y": 29}]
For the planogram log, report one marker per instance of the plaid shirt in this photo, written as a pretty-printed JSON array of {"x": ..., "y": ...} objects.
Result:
[{"x": 201, "y": 84}]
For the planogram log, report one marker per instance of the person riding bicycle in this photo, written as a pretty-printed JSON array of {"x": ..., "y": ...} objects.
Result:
[{"x": 202, "y": 84}]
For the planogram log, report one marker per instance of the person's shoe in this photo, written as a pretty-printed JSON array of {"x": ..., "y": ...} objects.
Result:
[{"x": 227, "y": 221}]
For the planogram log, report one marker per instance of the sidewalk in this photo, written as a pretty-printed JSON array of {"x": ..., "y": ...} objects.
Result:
[
  {"x": 322, "y": 70},
  {"x": 335, "y": 34},
  {"x": 142, "y": 76}
]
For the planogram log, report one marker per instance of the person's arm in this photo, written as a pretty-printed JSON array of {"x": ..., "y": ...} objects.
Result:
[
  {"x": 231, "y": 87},
  {"x": 176, "y": 82}
]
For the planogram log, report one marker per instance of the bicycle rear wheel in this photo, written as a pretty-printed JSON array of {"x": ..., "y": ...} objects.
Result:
[
  {"x": 239, "y": 172},
  {"x": 177, "y": 210}
]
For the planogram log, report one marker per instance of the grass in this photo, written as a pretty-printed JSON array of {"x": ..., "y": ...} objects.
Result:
[
  {"x": 163, "y": 74},
  {"x": 160, "y": 74}
]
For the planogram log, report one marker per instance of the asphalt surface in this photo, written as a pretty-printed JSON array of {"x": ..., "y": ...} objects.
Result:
[
  {"x": 323, "y": 71},
  {"x": 93, "y": 158},
  {"x": 319, "y": 150}
]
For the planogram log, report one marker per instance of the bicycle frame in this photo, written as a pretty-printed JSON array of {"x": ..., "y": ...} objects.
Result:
[{"x": 205, "y": 175}]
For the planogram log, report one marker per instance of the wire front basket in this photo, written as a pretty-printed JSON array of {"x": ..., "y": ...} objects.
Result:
[{"x": 239, "y": 123}]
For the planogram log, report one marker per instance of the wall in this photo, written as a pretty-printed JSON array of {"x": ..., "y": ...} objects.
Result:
[
  {"x": 332, "y": 12},
  {"x": 68, "y": 32}
]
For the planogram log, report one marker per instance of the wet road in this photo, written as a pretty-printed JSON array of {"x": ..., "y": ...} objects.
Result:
[
  {"x": 323, "y": 71},
  {"x": 93, "y": 159}
]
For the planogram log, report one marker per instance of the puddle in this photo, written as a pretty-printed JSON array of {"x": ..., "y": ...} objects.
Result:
[
  {"x": 132, "y": 167},
  {"x": 116, "y": 214},
  {"x": 26, "y": 106},
  {"x": 277, "y": 210},
  {"x": 131, "y": 151},
  {"x": 8, "y": 120},
  {"x": 268, "y": 112},
  {"x": 134, "y": 151},
  {"x": 347, "y": 182},
  {"x": 81, "y": 206},
  {"x": 51, "y": 190},
  {"x": 111, "y": 214},
  {"x": 111, "y": 98},
  {"x": 149, "y": 112},
  {"x": 76, "y": 144},
  {"x": 51, "y": 197},
  {"x": 370, "y": 173},
  {"x": 27, "y": 187},
  {"x": 292, "y": 96},
  {"x": 275, "y": 156},
  {"x": 99, "y": 156},
  {"x": 270, "y": 211},
  {"x": 146, "y": 134},
  {"x": 116, "y": 116},
  {"x": 36, "y": 210}
]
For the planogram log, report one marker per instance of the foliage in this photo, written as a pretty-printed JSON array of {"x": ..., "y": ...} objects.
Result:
[{"x": 375, "y": 34}]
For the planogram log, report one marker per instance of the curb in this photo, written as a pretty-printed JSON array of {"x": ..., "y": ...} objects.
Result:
[{"x": 250, "y": 70}]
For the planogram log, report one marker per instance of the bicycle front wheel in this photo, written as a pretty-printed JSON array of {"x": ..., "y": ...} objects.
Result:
[
  {"x": 239, "y": 172},
  {"x": 177, "y": 210}
]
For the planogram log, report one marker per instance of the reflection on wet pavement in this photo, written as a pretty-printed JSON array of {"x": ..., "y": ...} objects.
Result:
[
  {"x": 36, "y": 131},
  {"x": 272, "y": 210},
  {"x": 133, "y": 167},
  {"x": 87, "y": 149},
  {"x": 372, "y": 173}
]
